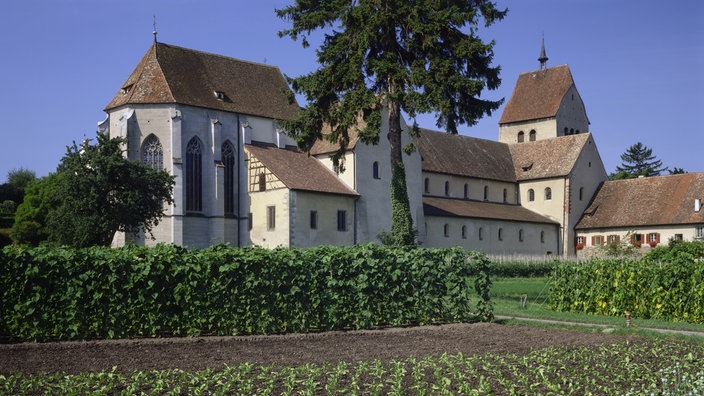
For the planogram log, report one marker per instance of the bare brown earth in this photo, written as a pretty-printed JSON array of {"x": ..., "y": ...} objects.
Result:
[{"x": 290, "y": 349}]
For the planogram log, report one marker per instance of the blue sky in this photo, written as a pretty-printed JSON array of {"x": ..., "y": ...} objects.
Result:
[{"x": 638, "y": 65}]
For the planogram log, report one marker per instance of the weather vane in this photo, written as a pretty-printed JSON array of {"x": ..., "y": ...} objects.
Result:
[{"x": 154, "y": 32}]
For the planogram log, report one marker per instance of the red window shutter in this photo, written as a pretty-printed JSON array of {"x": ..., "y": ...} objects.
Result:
[
  {"x": 657, "y": 237},
  {"x": 593, "y": 238},
  {"x": 618, "y": 238}
]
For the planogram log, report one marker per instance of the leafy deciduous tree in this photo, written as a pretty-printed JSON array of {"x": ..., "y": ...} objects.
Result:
[
  {"x": 17, "y": 180},
  {"x": 100, "y": 192},
  {"x": 94, "y": 193},
  {"x": 413, "y": 56},
  {"x": 638, "y": 160}
]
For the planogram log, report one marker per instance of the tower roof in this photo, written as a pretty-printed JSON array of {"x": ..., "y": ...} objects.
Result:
[
  {"x": 171, "y": 74},
  {"x": 537, "y": 94}
]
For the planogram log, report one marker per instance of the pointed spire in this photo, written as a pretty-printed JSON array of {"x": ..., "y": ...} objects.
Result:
[
  {"x": 543, "y": 57},
  {"x": 154, "y": 31}
]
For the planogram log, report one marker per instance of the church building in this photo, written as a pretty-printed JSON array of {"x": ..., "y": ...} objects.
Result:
[{"x": 211, "y": 121}]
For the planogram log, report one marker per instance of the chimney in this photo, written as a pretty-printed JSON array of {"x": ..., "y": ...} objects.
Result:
[{"x": 697, "y": 205}]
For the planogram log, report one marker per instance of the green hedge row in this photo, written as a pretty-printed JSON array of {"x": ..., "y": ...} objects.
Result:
[
  {"x": 522, "y": 268},
  {"x": 64, "y": 293},
  {"x": 659, "y": 290}
]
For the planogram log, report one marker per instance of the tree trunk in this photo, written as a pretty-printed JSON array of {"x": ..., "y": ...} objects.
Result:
[{"x": 402, "y": 232}]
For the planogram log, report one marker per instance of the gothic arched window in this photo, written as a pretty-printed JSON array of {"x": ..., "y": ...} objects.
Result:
[
  {"x": 521, "y": 137},
  {"x": 531, "y": 195},
  {"x": 152, "y": 153},
  {"x": 531, "y": 135},
  {"x": 548, "y": 193},
  {"x": 194, "y": 176},
  {"x": 228, "y": 161}
]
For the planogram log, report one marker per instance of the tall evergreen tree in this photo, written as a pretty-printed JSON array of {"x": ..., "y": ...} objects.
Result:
[
  {"x": 412, "y": 56},
  {"x": 638, "y": 160}
]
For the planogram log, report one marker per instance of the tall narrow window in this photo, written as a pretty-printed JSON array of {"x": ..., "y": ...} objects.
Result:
[
  {"x": 501, "y": 234},
  {"x": 270, "y": 218},
  {"x": 152, "y": 153},
  {"x": 466, "y": 191},
  {"x": 262, "y": 181},
  {"x": 521, "y": 137},
  {"x": 505, "y": 195},
  {"x": 194, "y": 176},
  {"x": 542, "y": 236},
  {"x": 342, "y": 220},
  {"x": 446, "y": 230},
  {"x": 532, "y": 135},
  {"x": 426, "y": 185},
  {"x": 313, "y": 219},
  {"x": 481, "y": 233},
  {"x": 447, "y": 188},
  {"x": 375, "y": 170},
  {"x": 531, "y": 195},
  {"x": 464, "y": 232},
  {"x": 486, "y": 193},
  {"x": 520, "y": 235},
  {"x": 548, "y": 193},
  {"x": 581, "y": 193},
  {"x": 228, "y": 161}
]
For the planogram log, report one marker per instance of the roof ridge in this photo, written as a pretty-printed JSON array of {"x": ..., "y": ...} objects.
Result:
[{"x": 219, "y": 56}]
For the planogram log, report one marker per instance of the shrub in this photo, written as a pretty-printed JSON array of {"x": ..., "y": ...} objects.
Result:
[{"x": 66, "y": 293}]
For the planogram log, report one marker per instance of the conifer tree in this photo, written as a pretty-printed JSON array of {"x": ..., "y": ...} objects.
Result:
[
  {"x": 412, "y": 56},
  {"x": 638, "y": 160}
]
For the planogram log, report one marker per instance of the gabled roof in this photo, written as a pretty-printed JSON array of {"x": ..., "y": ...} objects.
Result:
[
  {"x": 436, "y": 206},
  {"x": 648, "y": 201},
  {"x": 324, "y": 146},
  {"x": 537, "y": 94},
  {"x": 298, "y": 171},
  {"x": 464, "y": 156},
  {"x": 171, "y": 74},
  {"x": 547, "y": 158}
]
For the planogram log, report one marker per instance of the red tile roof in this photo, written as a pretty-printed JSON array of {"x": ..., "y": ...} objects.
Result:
[
  {"x": 298, "y": 171},
  {"x": 171, "y": 74},
  {"x": 436, "y": 206},
  {"x": 547, "y": 158},
  {"x": 537, "y": 94},
  {"x": 649, "y": 201},
  {"x": 465, "y": 156}
]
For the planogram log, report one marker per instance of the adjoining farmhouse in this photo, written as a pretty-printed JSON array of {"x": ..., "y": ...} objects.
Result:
[
  {"x": 644, "y": 212},
  {"x": 211, "y": 121}
]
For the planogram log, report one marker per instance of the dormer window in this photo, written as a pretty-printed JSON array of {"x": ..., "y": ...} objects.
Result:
[
  {"x": 220, "y": 95},
  {"x": 126, "y": 89}
]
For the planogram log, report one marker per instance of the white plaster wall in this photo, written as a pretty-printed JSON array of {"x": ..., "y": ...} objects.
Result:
[
  {"x": 374, "y": 204},
  {"x": 490, "y": 242},
  {"x": 572, "y": 114},
  {"x": 588, "y": 174},
  {"x": 326, "y": 206},
  {"x": 545, "y": 129},
  {"x": 475, "y": 188},
  {"x": 667, "y": 232},
  {"x": 259, "y": 201}
]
